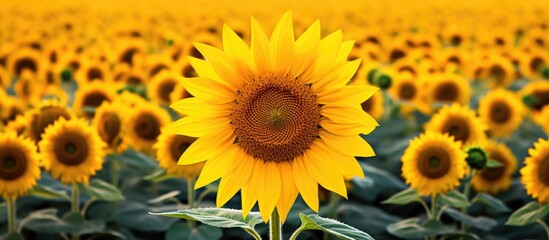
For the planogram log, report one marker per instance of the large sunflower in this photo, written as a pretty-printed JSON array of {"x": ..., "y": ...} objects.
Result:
[
  {"x": 143, "y": 126},
  {"x": 494, "y": 180},
  {"x": 267, "y": 116},
  {"x": 502, "y": 111},
  {"x": 535, "y": 174},
  {"x": 460, "y": 122},
  {"x": 169, "y": 148},
  {"x": 19, "y": 165},
  {"x": 72, "y": 151},
  {"x": 433, "y": 163}
]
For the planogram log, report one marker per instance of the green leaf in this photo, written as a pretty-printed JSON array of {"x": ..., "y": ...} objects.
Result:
[
  {"x": 181, "y": 230},
  {"x": 333, "y": 227},
  {"x": 15, "y": 236},
  {"x": 492, "y": 202},
  {"x": 80, "y": 225},
  {"x": 454, "y": 199},
  {"x": 412, "y": 229},
  {"x": 493, "y": 164},
  {"x": 164, "y": 197},
  {"x": 46, "y": 221},
  {"x": 102, "y": 190},
  {"x": 48, "y": 193},
  {"x": 219, "y": 217},
  {"x": 158, "y": 175},
  {"x": 527, "y": 214},
  {"x": 404, "y": 197},
  {"x": 481, "y": 222}
]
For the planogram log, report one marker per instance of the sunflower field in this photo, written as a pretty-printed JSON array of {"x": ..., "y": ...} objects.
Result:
[{"x": 291, "y": 119}]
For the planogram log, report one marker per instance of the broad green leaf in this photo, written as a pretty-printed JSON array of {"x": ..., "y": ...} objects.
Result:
[
  {"x": 135, "y": 216},
  {"x": 365, "y": 182},
  {"x": 481, "y": 222},
  {"x": 333, "y": 227},
  {"x": 219, "y": 217},
  {"x": 527, "y": 214},
  {"x": 164, "y": 197},
  {"x": 48, "y": 193},
  {"x": 136, "y": 161},
  {"x": 454, "y": 199},
  {"x": 158, "y": 175},
  {"x": 404, "y": 197},
  {"x": 102, "y": 190},
  {"x": 80, "y": 225},
  {"x": 492, "y": 202},
  {"x": 46, "y": 221},
  {"x": 181, "y": 230},
  {"x": 412, "y": 228},
  {"x": 493, "y": 164},
  {"x": 15, "y": 236}
]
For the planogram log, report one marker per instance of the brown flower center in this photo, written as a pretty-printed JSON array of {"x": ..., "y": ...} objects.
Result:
[
  {"x": 188, "y": 71},
  {"x": 147, "y": 126},
  {"x": 458, "y": 128},
  {"x": 396, "y": 55},
  {"x": 134, "y": 80},
  {"x": 367, "y": 105},
  {"x": 71, "y": 148},
  {"x": 94, "y": 74},
  {"x": 25, "y": 63},
  {"x": 500, "y": 112},
  {"x": 541, "y": 99},
  {"x": 494, "y": 174},
  {"x": 156, "y": 69},
  {"x": 127, "y": 56},
  {"x": 109, "y": 127},
  {"x": 407, "y": 91},
  {"x": 455, "y": 40},
  {"x": 45, "y": 117},
  {"x": 536, "y": 63},
  {"x": 94, "y": 99},
  {"x": 179, "y": 145},
  {"x": 434, "y": 163},
  {"x": 497, "y": 73},
  {"x": 166, "y": 88},
  {"x": 13, "y": 163},
  {"x": 276, "y": 117},
  {"x": 543, "y": 170},
  {"x": 446, "y": 92}
]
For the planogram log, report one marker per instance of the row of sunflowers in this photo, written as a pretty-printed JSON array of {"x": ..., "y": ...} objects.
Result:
[{"x": 400, "y": 120}]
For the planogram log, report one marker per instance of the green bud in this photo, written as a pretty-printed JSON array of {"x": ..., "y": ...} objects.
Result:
[
  {"x": 476, "y": 157},
  {"x": 529, "y": 100},
  {"x": 384, "y": 81},
  {"x": 372, "y": 75},
  {"x": 66, "y": 75},
  {"x": 545, "y": 72},
  {"x": 169, "y": 42}
]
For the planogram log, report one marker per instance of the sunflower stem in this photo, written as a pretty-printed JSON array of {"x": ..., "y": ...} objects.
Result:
[
  {"x": 75, "y": 205},
  {"x": 114, "y": 171},
  {"x": 466, "y": 192},
  {"x": 11, "y": 215},
  {"x": 275, "y": 227},
  {"x": 544, "y": 225},
  {"x": 433, "y": 210},
  {"x": 190, "y": 198}
]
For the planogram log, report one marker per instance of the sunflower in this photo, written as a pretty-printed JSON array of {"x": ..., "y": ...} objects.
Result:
[
  {"x": 10, "y": 108},
  {"x": 156, "y": 63},
  {"x": 266, "y": 117},
  {"x": 130, "y": 52},
  {"x": 44, "y": 115},
  {"x": 24, "y": 59},
  {"x": 502, "y": 111},
  {"x": 19, "y": 165},
  {"x": 433, "y": 163},
  {"x": 539, "y": 90},
  {"x": 72, "y": 151},
  {"x": 18, "y": 125},
  {"x": 91, "y": 95},
  {"x": 446, "y": 88},
  {"x": 459, "y": 122},
  {"x": 161, "y": 86},
  {"x": 28, "y": 89},
  {"x": 91, "y": 71},
  {"x": 535, "y": 176},
  {"x": 143, "y": 126},
  {"x": 169, "y": 149},
  {"x": 494, "y": 180},
  {"x": 531, "y": 63},
  {"x": 108, "y": 122},
  {"x": 500, "y": 71}
]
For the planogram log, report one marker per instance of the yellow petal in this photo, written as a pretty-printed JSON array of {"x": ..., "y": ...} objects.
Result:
[
  {"x": 347, "y": 145},
  {"x": 338, "y": 77},
  {"x": 235, "y": 47},
  {"x": 204, "y": 69},
  {"x": 208, "y": 90},
  {"x": 194, "y": 106},
  {"x": 218, "y": 166},
  {"x": 306, "y": 48},
  {"x": 344, "y": 129},
  {"x": 289, "y": 190},
  {"x": 324, "y": 170},
  {"x": 207, "y": 146},
  {"x": 271, "y": 189},
  {"x": 307, "y": 186},
  {"x": 347, "y": 165},
  {"x": 282, "y": 44},
  {"x": 235, "y": 180},
  {"x": 348, "y": 115},
  {"x": 351, "y": 95},
  {"x": 198, "y": 126},
  {"x": 262, "y": 58},
  {"x": 222, "y": 64}
]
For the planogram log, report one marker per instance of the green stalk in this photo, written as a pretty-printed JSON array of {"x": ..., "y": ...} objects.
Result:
[
  {"x": 11, "y": 215},
  {"x": 275, "y": 227},
  {"x": 544, "y": 225},
  {"x": 114, "y": 171},
  {"x": 75, "y": 205},
  {"x": 190, "y": 198},
  {"x": 433, "y": 210},
  {"x": 466, "y": 192}
]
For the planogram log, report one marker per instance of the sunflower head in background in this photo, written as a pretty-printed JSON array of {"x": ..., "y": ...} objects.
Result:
[
  {"x": 162, "y": 86},
  {"x": 433, "y": 163},
  {"x": 109, "y": 121},
  {"x": 143, "y": 125},
  {"x": 19, "y": 165},
  {"x": 267, "y": 116},
  {"x": 502, "y": 111},
  {"x": 90, "y": 96},
  {"x": 72, "y": 151},
  {"x": 169, "y": 149},
  {"x": 459, "y": 122},
  {"x": 535, "y": 174},
  {"x": 494, "y": 180},
  {"x": 45, "y": 115}
]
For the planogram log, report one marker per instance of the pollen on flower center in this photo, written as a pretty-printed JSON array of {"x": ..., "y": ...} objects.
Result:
[
  {"x": 71, "y": 149},
  {"x": 12, "y": 164},
  {"x": 276, "y": 117},
  {"x": 434, "y": 163}
]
